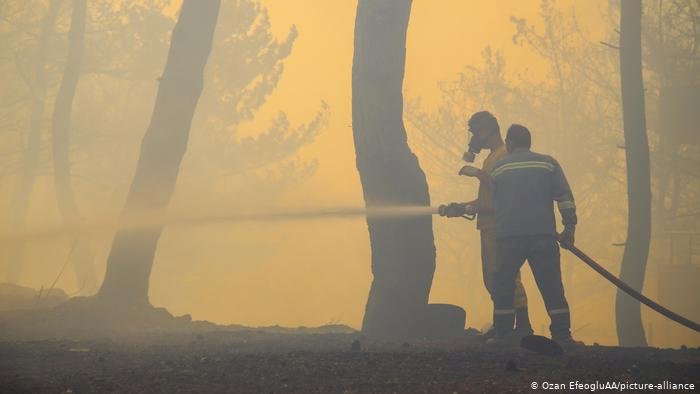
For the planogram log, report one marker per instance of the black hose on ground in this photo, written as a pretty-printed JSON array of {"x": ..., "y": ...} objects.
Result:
[{"x": 632, "y": 292}]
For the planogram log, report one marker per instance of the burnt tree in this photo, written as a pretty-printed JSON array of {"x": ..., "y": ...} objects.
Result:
[
  {"x": 30, "y": 160},
  {"x": 630, "y": 330},
  {"x": 164, "y": 144},
  {"x": 403, "y": 249},
  {"x": 82, "y": 256}
]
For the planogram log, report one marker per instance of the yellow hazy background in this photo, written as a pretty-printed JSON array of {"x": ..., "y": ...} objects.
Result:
[{"x": 315, "y": 272}]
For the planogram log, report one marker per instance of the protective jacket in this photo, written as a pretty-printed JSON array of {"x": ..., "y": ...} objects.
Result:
[
  {"x": 525, "y": 184},
  {"x": 485, "y": 219}
]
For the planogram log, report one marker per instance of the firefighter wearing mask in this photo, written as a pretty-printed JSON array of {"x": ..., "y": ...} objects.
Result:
[
  {"x": 525, "y": 185},
  {"x": 486, "y": 135}
]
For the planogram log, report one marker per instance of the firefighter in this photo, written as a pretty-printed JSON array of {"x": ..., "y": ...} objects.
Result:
[
  {"x": 486, "y": 134},
  {"x": 525, "y": 185}
]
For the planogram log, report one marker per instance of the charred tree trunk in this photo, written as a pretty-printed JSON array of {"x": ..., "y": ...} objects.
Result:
[
  {"x": 403, "y": 250},
  {"x": 163, "y": 146},
  {"x": 82, "y": 256},
  {"x": 29, "y": 163},
  {"x": 630, "y": 330}
]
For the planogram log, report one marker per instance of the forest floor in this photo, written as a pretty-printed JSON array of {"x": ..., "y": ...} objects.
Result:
[
  {"x": 83, "y": 346},
  {"x": 326, "y": 359}
]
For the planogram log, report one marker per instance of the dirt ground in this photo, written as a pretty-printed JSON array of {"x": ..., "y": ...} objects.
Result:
[
  {"x": 83, "y": 345},
  {"x": 328, "y": 359}
]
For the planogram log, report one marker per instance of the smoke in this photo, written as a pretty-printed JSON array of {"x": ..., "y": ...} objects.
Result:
[{"x": 134, "y": 221}]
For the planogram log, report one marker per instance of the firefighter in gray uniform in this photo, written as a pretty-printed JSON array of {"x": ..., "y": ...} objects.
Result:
[{"x": 525, "y": 185}]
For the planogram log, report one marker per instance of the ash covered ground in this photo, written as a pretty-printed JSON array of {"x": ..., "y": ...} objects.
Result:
[{"x": 206, "y": 358}]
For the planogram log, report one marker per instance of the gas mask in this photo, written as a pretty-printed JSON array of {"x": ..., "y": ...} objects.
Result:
[
  {"x": 475, "y": 146},
  {"x": 473, "y": 149}
]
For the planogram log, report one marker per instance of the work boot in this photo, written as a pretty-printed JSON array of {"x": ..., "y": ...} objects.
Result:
[
  {"x": 568, "y": 341},
  {"x": 508, "y": 339},
  {"x": 503, "y": 338}
]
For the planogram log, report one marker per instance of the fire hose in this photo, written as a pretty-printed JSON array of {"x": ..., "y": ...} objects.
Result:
[{"x": 632, "y": 292}]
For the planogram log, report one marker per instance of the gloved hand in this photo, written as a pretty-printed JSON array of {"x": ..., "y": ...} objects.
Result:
[
  {"x": 470, "y": 171},
  {"x": 470, "y": 209},
  {"x": 566, "y": 237},
  {"x": 452, "y": 210}
]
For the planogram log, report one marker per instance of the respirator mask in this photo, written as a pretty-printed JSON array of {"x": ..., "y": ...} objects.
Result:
[{"x": 475, "y": 146}]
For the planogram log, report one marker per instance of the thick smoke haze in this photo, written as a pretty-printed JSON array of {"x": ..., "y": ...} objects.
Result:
[{"x": 267, "y": 225}]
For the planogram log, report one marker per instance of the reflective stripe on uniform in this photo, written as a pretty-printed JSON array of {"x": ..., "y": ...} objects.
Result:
[
  {"x": 521, "y": 165},
  {"x": 504, "y": 311},
  {"x": 565, "y": 205},
  {"x": 558, "y": 311}
]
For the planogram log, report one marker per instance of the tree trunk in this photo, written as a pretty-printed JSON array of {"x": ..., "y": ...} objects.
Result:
[
  {"x": 403, "y": 250},
  {"x": 82, "y": 256},
  {"x": 30, "y": 159},
  {"x": 163, "y": 146},
  {"x": 630, "y": 330}
]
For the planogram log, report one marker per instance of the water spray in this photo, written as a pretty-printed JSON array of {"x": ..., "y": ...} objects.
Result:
[{"x": 136, "y": 221}]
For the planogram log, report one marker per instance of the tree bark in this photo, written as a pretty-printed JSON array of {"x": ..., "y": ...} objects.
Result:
[
  {"x": 30, "y": 158},
  {"x": 163, "y": 146},
  {"x": 403, "y": 249},
  {"x": 82, "y": 256},
  {"x": 630, "y": 330}
]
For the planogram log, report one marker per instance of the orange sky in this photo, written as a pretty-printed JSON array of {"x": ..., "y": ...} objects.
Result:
[
  {"x": 317, "y": 272},
  {"x": 441, "y": 41}
]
